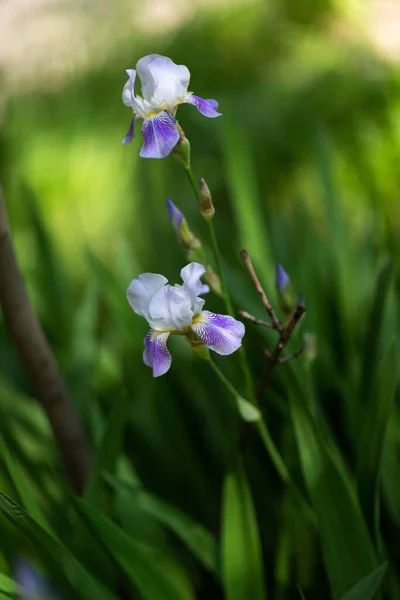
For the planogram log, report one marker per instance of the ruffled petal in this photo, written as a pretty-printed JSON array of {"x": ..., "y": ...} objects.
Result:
[
  {"x": 208, "y": 108},
  {"x": 141, "y": 291},
  {"x": 170, "y": 308},
  {"x": 191, "y": 277},
  {"x": 163, "y": 82},
  {"x": 160, "y": 136},
  {"x": 156, "y": 354},
  {"x": 221, "y": 333},
  {"x": 131, "y": 133}
]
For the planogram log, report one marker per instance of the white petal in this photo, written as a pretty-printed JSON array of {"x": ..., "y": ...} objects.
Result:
[
  {"x": 163, "y": 82},
  {"x": 170, "y": 308},
  {"x": 191, "y": 277},
  {"x": 127, "y": 92},
  {"x": 142, "y": 289}
]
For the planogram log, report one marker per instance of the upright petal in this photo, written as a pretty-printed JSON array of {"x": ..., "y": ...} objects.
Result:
[
  {"x": 156, "y": 354},
  {"x": 160, "y": 135},
  {"x": 170, "y": 308},
  {"x": 221, "y": 333},
  {"x": 163, "y": 82},
  {"x": 142, "y": 289},
  {"x": 128, "y": 91},
  {"x": 191, "y": 277},
  {"x": 208, "y": 108}
]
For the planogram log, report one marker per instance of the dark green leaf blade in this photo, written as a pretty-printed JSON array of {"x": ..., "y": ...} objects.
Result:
[
  {"x": 347, "y": 547},
  {"x": 367, "y": 587},
  {"x": 242, "y": 562}
]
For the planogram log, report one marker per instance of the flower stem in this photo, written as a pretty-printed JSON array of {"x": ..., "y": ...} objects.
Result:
[{"x": 225, "y": 292}]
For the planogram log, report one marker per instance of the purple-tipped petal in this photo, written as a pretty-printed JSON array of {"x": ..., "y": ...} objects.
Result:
[
  {"x": 175, "y": 216},
  {"x": 156, "y": 354},
  {"x": 131, "y": 133},
  {"x": 208, "y": 108},
  {"x": 221, "y": 333},
  {"x": 160, "y": 135},
  {"x": 281, "y": 278}
]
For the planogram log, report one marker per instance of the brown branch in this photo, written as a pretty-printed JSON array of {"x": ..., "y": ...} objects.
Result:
[
  {"x": 254, "y": 320},
  {"x": 273, "y": 358},
  {"x": 285, "y": 359},
  {"x": 267, "y": 305},
  {"x": 39, "y": 362}
]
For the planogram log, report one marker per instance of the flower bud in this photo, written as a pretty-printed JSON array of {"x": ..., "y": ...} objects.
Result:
[
  {"x": 182, "y": 150},
  {"x": 206, "y": 204},
  {"x": 281, "y": 278},
  {"x": 282, "y": 282},
  {"x": 310, "y": 346},
  {"x": 188, "y": 241}
]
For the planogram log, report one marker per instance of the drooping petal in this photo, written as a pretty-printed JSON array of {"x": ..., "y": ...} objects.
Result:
[
  {"x": 208, "y": 108},
  {"x": 156, "y": 354},
  {"x": 163, "y": 82},
  {"x": 175, "y": 216},
  {"x": 160, "y": 135},
  {"x": 142, "y": 289},
  {"x": 191, "y": 277},
  {"x": 170, "y": 308},
  {"x": 221, "y": 333},
  {"x": 131, "y": 133},
  {"x": 128, "y": 92}
]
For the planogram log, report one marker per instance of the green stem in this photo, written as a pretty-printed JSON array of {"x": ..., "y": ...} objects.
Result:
[
  {"x": 271, "y": 449},
  {"x": 227, "y": 298}
]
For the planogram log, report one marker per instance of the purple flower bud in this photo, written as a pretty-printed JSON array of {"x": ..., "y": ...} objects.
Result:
[
  {"x": 175, "y": 215},
  {"x": 31, "y": 583},
  {"x": 281, "y": 278}
]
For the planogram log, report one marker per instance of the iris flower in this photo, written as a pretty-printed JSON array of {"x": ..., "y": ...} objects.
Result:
[
  {"x": 164, "y": 87},
  {"x": 178, "y": 309}
]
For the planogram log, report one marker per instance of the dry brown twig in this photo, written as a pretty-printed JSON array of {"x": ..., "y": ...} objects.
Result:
[
  {"x": 285, "y": 332},
  {"x": 39, "y": 362}
]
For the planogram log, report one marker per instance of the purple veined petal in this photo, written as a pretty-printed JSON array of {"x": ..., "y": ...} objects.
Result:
[
  {"x": 221, "y": 333},
  {"x": 156, "y": 354},
  {"x": 208, "y": 108},
  {"x": 160, "y": 135},
  {"x": 175, "y": 216},
  {"x": 131, "y": 132}
]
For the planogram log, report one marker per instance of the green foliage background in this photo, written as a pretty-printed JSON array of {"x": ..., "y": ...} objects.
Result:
[{"x": 303, "y": 168}]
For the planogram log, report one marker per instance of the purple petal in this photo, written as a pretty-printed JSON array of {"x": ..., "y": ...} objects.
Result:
[
  {"x": 160, "y": 135},
  {"x": 131, "y": 133},
  {"x": 175, "y": 216},
  {"x": 32, "y": 583},
  {"x": 204, "y": 290},
  {"x": 208, "y": 108},
  {"x": 156, "y": 354},
  {"x": 281, "y": 278},
  {"x": 221, "y": 333}
]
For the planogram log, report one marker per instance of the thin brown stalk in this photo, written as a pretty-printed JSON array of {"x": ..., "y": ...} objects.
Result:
[
  {"x": 254, "y": 320},
  {"x": 264, "y": 299},
  {"x": 39, "y": 362}
]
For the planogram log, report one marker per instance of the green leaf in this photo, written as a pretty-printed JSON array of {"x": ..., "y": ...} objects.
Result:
[
  {"x": 242, "y": 561},
  {"x": 7, "y": 585},
  {"x": 22, "y": 487},
  {"x": 156, "y": 575},
  {"x": 367, "y": 587},
  {"x": 196, "y": 537},
  {"x": 375, "y": 424},
  {"x": 110, "y": 449},
  {"x": 86, "y": 586},
  {"x": 347, "y": 547},
  {"x": 371, "y": 343}
]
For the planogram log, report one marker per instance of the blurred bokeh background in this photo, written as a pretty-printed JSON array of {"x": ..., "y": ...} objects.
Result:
[{"x": 304, "y": 170}]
